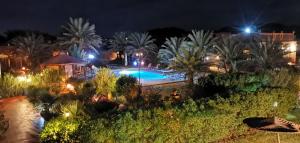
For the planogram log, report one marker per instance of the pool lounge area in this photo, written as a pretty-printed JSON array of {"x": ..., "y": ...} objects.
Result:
[{"x": 151, "y": 77}]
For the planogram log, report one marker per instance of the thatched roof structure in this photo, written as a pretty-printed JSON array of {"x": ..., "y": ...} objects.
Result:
[{"x": 63, "y": 60}]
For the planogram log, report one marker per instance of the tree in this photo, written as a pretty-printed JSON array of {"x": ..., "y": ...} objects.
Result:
[
  {"x": 142, "y": 42},
  {"x": 33, "y": 46},
  {"x": 80, "y": 33},
  {"x": 268, "y": 54},
  {"x": 120, "y": 42},
  {"x": 77, "y": 52},
  {"x": 230, "y": 52},
  {"x": 170, "y": 49},
  {"x": 187, "y": 56}
]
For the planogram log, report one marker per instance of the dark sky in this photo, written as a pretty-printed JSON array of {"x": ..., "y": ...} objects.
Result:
[{"x": 138, "y": 15}]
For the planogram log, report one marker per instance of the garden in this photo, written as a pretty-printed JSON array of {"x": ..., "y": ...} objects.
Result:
[{"x": 210, "y": 107}]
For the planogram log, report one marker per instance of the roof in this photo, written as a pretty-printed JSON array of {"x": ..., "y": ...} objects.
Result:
[{"x": 63, "y": 59}]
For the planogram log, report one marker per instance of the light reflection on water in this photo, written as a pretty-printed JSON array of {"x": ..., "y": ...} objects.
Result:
[{"x": 24, "y": 122}]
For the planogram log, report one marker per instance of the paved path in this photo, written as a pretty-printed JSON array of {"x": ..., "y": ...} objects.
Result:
[{"x": 24, "y": 122}]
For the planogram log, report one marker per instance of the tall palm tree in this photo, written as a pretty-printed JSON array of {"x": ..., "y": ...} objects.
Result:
[
  {"x": 187, "y": 56},
  {"x": 120, "y": 42},
  {"x": 170, "y": 49},
  {"x": 33, "y": 46},
  {"x": 230, "y": 52},
  {"x": 142, "y": 42},
  {"x": 268, "y": 54},
  {"x": 78, "y": 53},
  {"x": 80, "y": 33}
]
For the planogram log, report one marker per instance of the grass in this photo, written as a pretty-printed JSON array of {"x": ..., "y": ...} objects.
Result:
[{"x": 267, "y": 137}]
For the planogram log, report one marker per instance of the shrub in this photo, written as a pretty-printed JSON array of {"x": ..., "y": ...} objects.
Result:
[
  {"x": 226, "y": 84},
  {"x": 10, "y": 86},
  {"x": 49, "y": 78},
  {"x": 125, "y": 85},
  {"x": 73, "y": 110},
  {"x": 281, "y": 79},
  {"x": 267, "y": 103},
  {"x": 105, "y": 82},
  {"x": 86, "y": 90},
  {"x": 60, "y": 130},
  {"x": 191, "y": 122}
]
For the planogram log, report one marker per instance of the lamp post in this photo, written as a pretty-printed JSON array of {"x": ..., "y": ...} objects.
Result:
[{"x": 139, "y": 55}]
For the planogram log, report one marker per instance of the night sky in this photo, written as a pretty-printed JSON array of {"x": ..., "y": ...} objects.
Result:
[{"x": 139, "y": 15}]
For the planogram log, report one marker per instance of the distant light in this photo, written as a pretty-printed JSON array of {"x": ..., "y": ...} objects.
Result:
[
  {"x": 23, "y": 68},
  {"x": 70, "y": 86},
  {"x": 292, "y": 47},
  {"x": 142, "y": 63},
  {"x": 21, "y": 78},
  {"x": 275, "y": 104},
  {"x": 67, "y": 114},
  {"x": 24, "y": 78},
  {"x": 290, "y": 63},
  {"x": 218, "y": 57},
  {"x": 207, "y": 58},
  {"x": 91, "y": 56},
  {"x": 248, "y": 30},
  {"x": 135, "y": 63}
]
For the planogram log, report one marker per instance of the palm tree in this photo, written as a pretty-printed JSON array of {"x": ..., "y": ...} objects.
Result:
[
  {"x": 142, "y": 42},
  {"x": 187, "y": 56},
  {"x": 230, "y": 52},
  {"x": 80, "y": 33},
  {"x": 120, "y": 42},
  {"x": 33, "y": 46},
  {"x": 170, "y": 49},
  {"x": 78, "y": 53},
  {"x": 268, "y": 54}
]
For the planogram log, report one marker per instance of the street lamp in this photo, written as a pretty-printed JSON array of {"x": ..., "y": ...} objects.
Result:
[{"x": 139, "y": 55}]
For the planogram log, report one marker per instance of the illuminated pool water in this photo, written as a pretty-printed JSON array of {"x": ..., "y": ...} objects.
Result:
[{"x": 145, "y": 75}]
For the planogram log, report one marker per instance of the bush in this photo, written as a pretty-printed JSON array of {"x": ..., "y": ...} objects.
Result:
[
  {"x": 226, "y": 84},
  {"x": 267, "y": 103},
  {"x": 49, "y": 78},
  {"x": 125, "y": 84},
  {"x": 282, "y": 78},
  {"x": 191, "y": 122},
  {"x": 86, "y": 91},
  {"x": 105, "y": 82},
  {"x": 60, "y": 130},
  {"x": 73, "y": 110},
  {"x": 12, "y": 86}
]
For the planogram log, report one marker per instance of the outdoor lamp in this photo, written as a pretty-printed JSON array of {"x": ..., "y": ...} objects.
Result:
[{"x": 91, "y": 56}]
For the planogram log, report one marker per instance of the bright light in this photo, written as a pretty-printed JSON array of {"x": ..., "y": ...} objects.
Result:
[
  {"x": 290, "y": 63},
  {"x": 275, "y": 104},
  {"x": 142, "y": 63},
  {"x": 91, "y": 56},
  {"x": 138, "y": 54},
  {"x": 21, "y": 78},
  {"x": 207, "y": 58},
  {"x": 70, "y": 87},
  {"x": 135, "y": 63},
  {"x": 248, "y": 30},
  {"x": 24, "y": 79},
  {"x": 218, "y": 57},
  {"x": 67, "y": 114},
  {"x": 292, "y": 47},
  {"x": 23, "y": 68}
]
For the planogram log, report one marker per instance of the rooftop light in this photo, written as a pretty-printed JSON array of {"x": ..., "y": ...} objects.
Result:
[
  {"x": 248, "y": 30},
  {"x": 91, "y": 56}
]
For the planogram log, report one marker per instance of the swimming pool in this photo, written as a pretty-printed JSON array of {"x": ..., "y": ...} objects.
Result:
[
  {"x": 150, "y": 77},
  {"x": 145, "y": 75}
]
